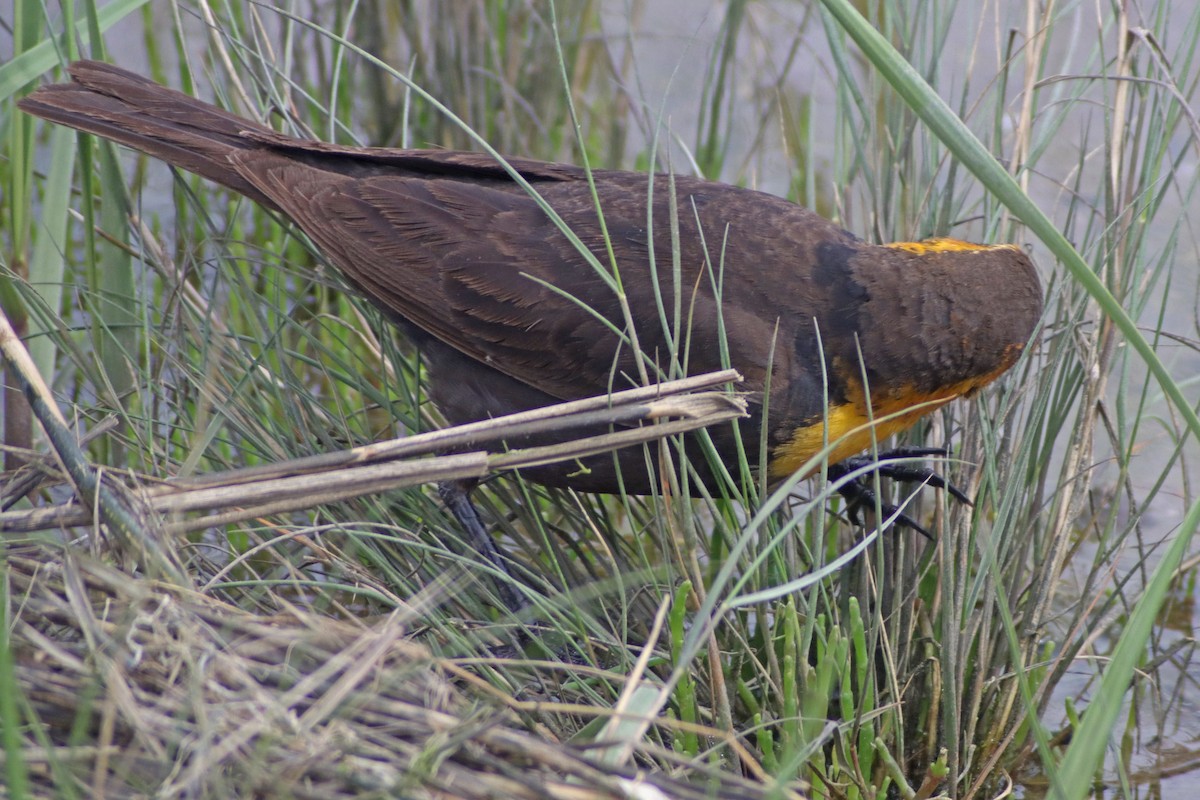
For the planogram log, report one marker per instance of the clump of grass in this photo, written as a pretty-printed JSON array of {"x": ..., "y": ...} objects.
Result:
[
  {"x": 161, "y": 689},
  {"x": 911, "y": 668}
]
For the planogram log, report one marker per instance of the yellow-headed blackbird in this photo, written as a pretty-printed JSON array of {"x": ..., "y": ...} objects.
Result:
[{"x": 510, "y": 314}]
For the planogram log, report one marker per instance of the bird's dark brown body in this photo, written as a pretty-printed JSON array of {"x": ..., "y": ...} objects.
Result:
[{"x": 467, "y": 262}]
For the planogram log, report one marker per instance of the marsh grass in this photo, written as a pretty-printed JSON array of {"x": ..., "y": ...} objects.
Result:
[{"x": 220, "y": 340}]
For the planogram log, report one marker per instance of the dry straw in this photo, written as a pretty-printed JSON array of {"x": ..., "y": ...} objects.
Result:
[{"x": 181, "y": 695}]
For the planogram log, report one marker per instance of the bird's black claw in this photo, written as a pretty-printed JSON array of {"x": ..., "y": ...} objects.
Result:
[
  {"x": 859, "y": 494},
  {"x": 909, "y": 473}
]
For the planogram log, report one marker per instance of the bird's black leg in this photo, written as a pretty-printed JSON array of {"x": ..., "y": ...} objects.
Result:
[
  {"x": 455, "y": 494},
  {"x": 859, "y": 494}
]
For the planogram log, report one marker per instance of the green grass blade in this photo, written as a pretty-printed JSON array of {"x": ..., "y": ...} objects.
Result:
[
  {"x": 16, "y": 774},
  {"x": 46, "y": 268},
  {"x": 34, "y": 62}
]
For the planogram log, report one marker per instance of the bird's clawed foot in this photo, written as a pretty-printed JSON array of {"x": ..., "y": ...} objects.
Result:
[{"x": 860, "y": 494}]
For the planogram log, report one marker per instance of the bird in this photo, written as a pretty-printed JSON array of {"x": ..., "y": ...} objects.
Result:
[{"x": 840, "y": 342}]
